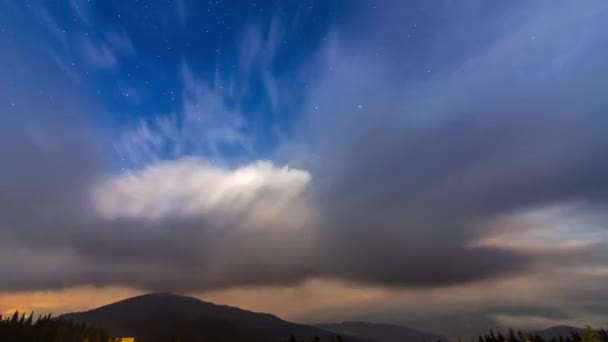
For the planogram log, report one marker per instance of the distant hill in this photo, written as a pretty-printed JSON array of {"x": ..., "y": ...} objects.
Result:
[
  {"x": 381, "y": 332},
  {"x": 167, "y": 317},
  {"x": 557, "y": 331}
]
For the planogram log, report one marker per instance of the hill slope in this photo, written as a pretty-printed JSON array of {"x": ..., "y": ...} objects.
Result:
[
  {"x": 557, "y": 331},
  {"x": 164, "y": 317},
  {"x": 381, "y": 332}
]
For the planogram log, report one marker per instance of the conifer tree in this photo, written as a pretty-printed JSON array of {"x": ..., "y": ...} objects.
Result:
[
  {"x": 29, "y": 319},
  {"x": 589, "y": 335}
]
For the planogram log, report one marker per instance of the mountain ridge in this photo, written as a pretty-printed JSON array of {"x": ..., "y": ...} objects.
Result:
[
  {"x": 163, "y": 316},
  {"x": 381, "y": 332}
]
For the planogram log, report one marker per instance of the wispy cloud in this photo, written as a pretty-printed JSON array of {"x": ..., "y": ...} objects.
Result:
[
  {"x": 80, "y": 9},
  {"x": 210, "y": 118},
  {"x": 67, "y": 69},
  {"x": 205, "y": 107},
  {"x": 181, "y": 11},
  {"x": 257, "y": 50},
  {"x": 205, "y": 125},
  {"x": 150, "y": 142},
  {"x": 98, "y": 54},
  {"x": 51, "y": 24},
  {"x": 105, "y": 52},
  {"x": 121, "y": 43}
]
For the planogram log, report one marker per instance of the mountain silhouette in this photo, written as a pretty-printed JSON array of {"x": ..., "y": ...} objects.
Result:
[
  {"x": 168, "y": 317},
  {"x": 557, "y": 331},
  {"x": 381, "y": 332}
]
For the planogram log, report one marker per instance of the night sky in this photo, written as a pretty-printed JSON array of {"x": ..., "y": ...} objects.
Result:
[{"x": 438, "y": 164}]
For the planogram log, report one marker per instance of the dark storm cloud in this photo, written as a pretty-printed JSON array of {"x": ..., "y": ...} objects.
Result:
[
  {"x": 407, "y": 174},
  {"x": 410, "y": 161}
]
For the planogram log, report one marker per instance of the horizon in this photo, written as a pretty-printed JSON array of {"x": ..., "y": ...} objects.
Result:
[
  {"x": 436, "y": 165},
  {"x": 496, "y": 329}
]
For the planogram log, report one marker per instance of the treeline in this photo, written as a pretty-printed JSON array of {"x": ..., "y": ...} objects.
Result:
[
  {"x": 47, "y": 329},
  {"x": 336, "y": 338},
  {"x": 587, "y": 336},
  {"x": 23, "y": 328}
]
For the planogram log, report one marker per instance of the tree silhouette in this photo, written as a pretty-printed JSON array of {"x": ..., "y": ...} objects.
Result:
[
  {"x": 45, "y": 329},
  {"x": 589, "y": 335}
]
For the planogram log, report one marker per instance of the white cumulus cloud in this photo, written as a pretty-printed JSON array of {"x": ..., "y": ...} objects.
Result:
[{"x": 257, "y": 192}]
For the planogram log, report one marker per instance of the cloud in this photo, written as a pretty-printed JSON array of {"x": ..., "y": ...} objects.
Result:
[
  {"x": 97, "y": 231},
  {"x": 215, "y": 114},
  {"x": 51, "y": 24},
  {"x": 80, "y": 9},
  {"x": 259, "y": 46},
  {"x": 410, "y": 170},
  {"x": 206, "y": 106},
  {"x": 193, "y": 187},
  {"x": 66, "y": 69},
  {"x": 182, "y": 12},
  {"x": 105, "y": 53},
  {"x": 407, "y": 176},
  {"x": 121, "y": 43},
  {"x": 206, "y": 124},
  {"x": 98, "y": 54}
]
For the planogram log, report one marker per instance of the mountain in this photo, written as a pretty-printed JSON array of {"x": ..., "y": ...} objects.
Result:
[
  {"x": 381, "y": 332},
  {"x": 557, "y": 331},
  {"x": 167, "y": 317}
]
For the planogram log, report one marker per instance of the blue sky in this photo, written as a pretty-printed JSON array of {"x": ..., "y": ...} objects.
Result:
[
  {"x": 141, "y": 61},
  {"x": 274, "y": 152}
]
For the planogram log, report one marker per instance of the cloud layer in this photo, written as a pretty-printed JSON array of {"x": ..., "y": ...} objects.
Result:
[{"x": 410, "y": 173}]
